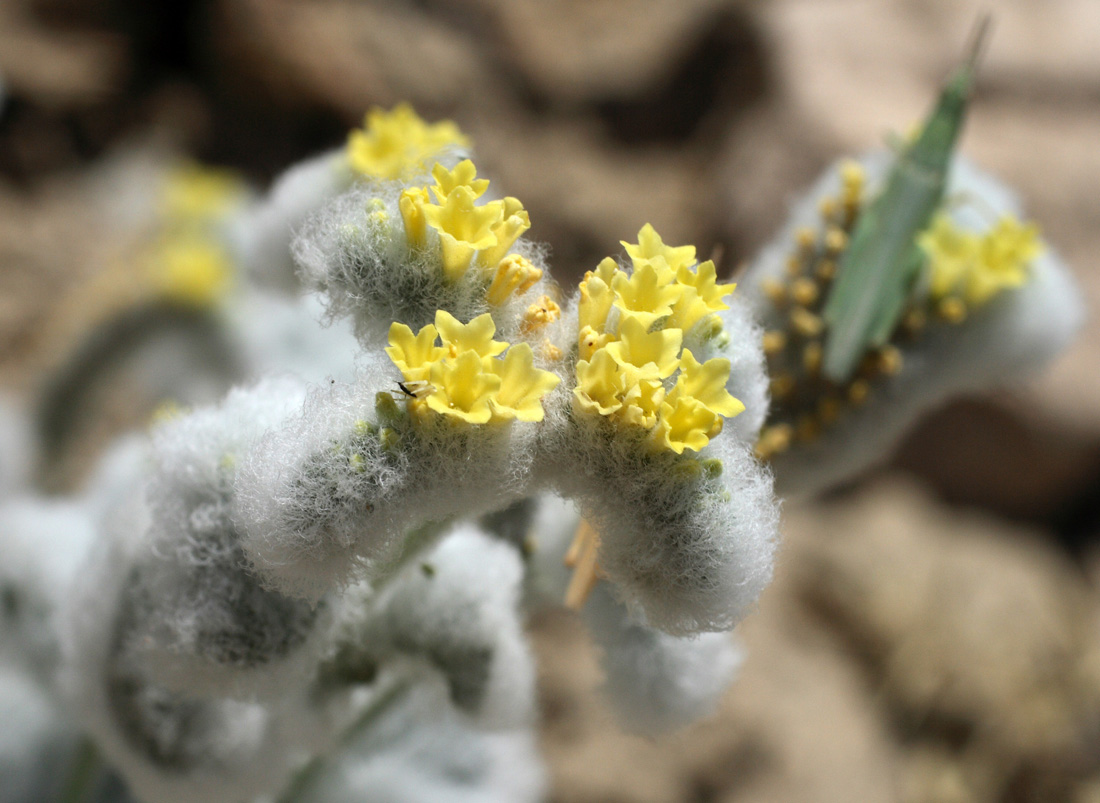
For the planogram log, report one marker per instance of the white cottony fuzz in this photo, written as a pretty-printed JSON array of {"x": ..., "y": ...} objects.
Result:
[
  {"x": 748, "y": 379},
  {"x": 455, "y": 610},
  {"x": 36, "y": 744},
  {"x": 338, "y": 487},
  {"x": 552, "y": 530},
  {"x": 1012, "y": 335},
  {"x": 263, "y": 234},
  {"x": 692, "y": 546},
  {"x": 657, "y": 682},
  {"x": 201, "y": 620},
  {"x": 356, "y": 253},
  {"x": 168, "y": 747},
  {"x": 419, "y": 749},
  {"x": 42, "y": 543}
]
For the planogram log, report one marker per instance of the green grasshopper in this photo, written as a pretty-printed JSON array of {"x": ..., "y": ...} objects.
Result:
[{"x": 877, "y": 272}]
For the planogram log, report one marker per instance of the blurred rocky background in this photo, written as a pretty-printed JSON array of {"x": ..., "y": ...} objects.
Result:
[{"x": 933, "y": 631}]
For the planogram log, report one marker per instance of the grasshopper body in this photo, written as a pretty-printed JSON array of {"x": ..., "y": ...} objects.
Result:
[{"x": 877, "y": 272}]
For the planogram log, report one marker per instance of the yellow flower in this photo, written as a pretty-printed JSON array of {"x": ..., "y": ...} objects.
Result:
[
  {"x": 688, "y": 310},
  {"x": 464, "y": 175},
  {"x": 398, "y": 144},
  {"x": 686, "y": 423},
  {"x": 645, "y": 295},
  {"x": 197, "y": 194},
  {"x": 461, "y": 389},
  {"x": 951, "y": 252},
  {"x": 464, "y": 229},
  {"x": 1003, "y": 261},
  {"x": 646, "y": 353},
  {"x": 706, "y": 383},
  {"x": 513, "y": 275},
  {"x": 590, "y": 341},
  {"x": 414, "y": 355},
  {"x": 642, "y": 403},
  {"x": 475, "y": 336},
  {"x": 704, "y": 278},
  {"x": 190, "y": 268},
  {"x": 596, "y": 295},
  {"x": 650, "y": 246},
  {"x": 522, "y": 386},
  {"x": 599, "y": 383},
  {"x": 412, "y": 203},
  {"x": 544, "y": 311},
  {"x": 511, "y": 223}
]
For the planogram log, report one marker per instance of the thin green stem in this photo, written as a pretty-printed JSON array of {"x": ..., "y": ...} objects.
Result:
[{"x": 83, "y": 772}]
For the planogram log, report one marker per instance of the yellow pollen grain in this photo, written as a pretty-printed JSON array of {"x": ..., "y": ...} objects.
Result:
[
  {"x": 804, "y": 291},
  {"x": 774, "y": 341},
  {"x": 807, "y": 429},
  {"x": 805, "y": 322}
]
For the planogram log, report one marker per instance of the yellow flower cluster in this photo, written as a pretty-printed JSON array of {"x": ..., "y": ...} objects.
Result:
[
  {"x": 470, "y": 235},
  {"x": 978, "y": 267},
  {"x": 628, "y": 374},
  {"x": 187, "y": 260},
  {"x": 398, "y": 144},
  {"x": 469, "y": 376}
]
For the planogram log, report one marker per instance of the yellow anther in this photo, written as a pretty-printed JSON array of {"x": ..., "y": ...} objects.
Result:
[
  {"x": 550, "y": 352},
  {"x": 811, "y": 357},
  {"x": 806, "y": 238},
  {"x": 804, "y": 291},
  {"x": 773, "y": 440},
  {"x": 781, "y": 386},
  {"x": 952, "y": 309},
  {"x": 826, "y": 270},
  {"x": 775, "y": 341},
  {"x": 828, "y": 409},
  {"x": 805, "y": 322},
  {"x": 890, "y": 360},
  {"x": 775, "y": 290},
  {"x": 807, "y": 429},
  {"x": 835, "y": 240},
  {"x": 852, "y": 175},
  {"x": 858, "y": 391}
]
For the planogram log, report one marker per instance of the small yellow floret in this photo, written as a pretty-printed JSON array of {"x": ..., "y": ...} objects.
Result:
[
  {"x": 645, "y": 295},
  {"x": 539, "y": 314},
  {"x": 651, "y": 246},
  {"x": 196, "y": 194},
  {"x": 414, "y": 354},
  {"x": 463, "y": 175},
  {"x": 464, "y": 229},
  {"x": 599, "y": 384},
  {"x": 522, "y": 386},
  {"x": 462, "y": 389},
  {"x": 412, "y": 203},
  {"x": 596, "y": 295},
  {"x": 642, "y": 403},
  {"x": 190, "y": 268},
  {"x": 514, "y": 275},
  {"x": 475, "y": 336},
  {"x": 706, "y": 382},
  {"x": 644, "y": 353},
  {"x": 685, "y": 423},
  {"x": 398, "y": 144}
]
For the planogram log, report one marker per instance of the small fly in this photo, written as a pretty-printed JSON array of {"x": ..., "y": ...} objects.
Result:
[{"x": 416, "y": 390}]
